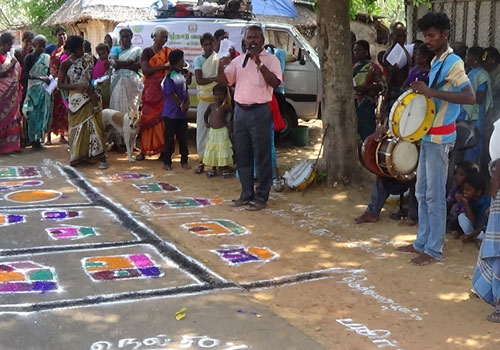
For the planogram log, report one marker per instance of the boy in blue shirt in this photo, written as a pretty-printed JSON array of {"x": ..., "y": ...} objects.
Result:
[
  {"x": 476, "y": 204},
  {"x": 175, "y": 109}
]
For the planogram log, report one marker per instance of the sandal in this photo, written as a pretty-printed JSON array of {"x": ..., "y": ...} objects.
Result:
[
  {"x": 200, "y": 168},
  {"x": 102, "y": 165},
  {"x": 211, "y": 173},
  {"x": 495, "y": 316},
  {"x": 225, "y": 174},
  {"x": 140, "y": 157}
]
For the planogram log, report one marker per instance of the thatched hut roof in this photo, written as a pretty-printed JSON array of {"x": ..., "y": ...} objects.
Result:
[{"x": 73, "y": 11}]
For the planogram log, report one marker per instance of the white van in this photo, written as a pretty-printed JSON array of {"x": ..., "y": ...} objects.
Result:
[{"x": 303, "y": 86}]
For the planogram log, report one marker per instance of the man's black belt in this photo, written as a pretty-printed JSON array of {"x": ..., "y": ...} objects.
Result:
[{"x": 250, "y": 106}]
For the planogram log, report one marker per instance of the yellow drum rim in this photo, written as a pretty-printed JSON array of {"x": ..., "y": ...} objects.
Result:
[
  {"x": 423, "y": 128},
  {"x": 307, "y": 181}
]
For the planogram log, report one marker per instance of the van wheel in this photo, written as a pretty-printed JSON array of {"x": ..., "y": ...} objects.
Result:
[{"x": 290, "y": 119}]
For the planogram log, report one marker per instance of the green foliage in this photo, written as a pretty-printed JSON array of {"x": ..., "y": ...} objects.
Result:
[{"x": 32, "y": 13}]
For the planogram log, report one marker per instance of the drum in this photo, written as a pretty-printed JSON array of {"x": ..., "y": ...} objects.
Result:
[
  {"x": 300, "y": 176},
  {"x": 397, "y": 158},
  {"x": 367, "y": 155},
  {"x": 411, "y": 116}
]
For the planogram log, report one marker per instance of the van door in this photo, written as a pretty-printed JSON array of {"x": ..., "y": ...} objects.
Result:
[{"x": 301, "y": 76}]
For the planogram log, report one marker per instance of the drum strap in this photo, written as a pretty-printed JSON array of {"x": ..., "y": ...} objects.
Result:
[
  {"x": 435, "y": 84},
  {"x": 443, "y": 130}
]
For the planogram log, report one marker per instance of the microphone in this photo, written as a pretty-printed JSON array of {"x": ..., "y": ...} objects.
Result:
[{"x": 245, "y": 61}]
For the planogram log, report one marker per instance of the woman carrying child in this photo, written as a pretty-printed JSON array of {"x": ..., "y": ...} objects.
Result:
[{"x": 218, "y": 151}]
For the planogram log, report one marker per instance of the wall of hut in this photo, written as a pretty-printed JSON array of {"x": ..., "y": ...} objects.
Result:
[{"x": 474, "y": 22}]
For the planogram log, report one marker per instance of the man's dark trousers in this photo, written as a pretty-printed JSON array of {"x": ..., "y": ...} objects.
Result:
[{"x": 253, "y": 139}]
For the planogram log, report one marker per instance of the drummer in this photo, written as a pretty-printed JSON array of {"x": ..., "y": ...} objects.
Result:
[{"x": 449, "y": 87}]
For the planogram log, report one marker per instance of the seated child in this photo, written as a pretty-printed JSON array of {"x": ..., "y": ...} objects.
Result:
[
  {"x": 101, "y": 69},
  {"x": 455, "y": 207},
  {"x": 175, "y": 109},
  {"x": 218, "y": 151},
  {"x": 476, "y": 204}
]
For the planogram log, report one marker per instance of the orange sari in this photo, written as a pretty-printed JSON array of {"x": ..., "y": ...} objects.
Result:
[{"x": 152, "y": 128}]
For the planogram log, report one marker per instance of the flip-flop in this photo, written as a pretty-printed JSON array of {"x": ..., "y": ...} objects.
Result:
[{"x": 495, "y": 316}]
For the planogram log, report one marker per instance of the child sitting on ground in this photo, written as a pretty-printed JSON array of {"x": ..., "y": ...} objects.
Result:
[
  {"x": 455, "y": 207},
  {"x": 476, "y": 204},
  {"x": 218, "y": 151},
  {"x": 175, "y": 109},
  {"x": 101, "y": 69}
]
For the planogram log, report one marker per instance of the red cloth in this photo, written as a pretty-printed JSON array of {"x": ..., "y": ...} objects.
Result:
[
  {"x": 278, "y": 121},
  {"x": 443, "y": 130}
]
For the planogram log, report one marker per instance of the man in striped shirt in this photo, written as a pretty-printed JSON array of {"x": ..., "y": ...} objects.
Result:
[{"x": 449, "y": 87}]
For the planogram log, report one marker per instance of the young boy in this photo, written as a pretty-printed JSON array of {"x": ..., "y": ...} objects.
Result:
[
  {"x": 175, "y": 109},
  {"x": 449, "y": 87},
  {"x": 473, "y": 221}
]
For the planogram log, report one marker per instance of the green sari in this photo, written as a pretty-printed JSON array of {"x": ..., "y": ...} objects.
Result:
[
  {"x": 84, "y": 114},
  {"x": 38, "y": 103}
]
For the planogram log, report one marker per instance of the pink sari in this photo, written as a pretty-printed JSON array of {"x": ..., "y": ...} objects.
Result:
[{"x": 10, "y": 98}]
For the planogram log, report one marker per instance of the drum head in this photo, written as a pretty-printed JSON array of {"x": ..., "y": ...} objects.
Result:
[
  {"x": 298, "y": 174},
  {"x": 405, "y": 157},
  {"x": 369, "y": 155},
  {"x": 413, "y": 115}
]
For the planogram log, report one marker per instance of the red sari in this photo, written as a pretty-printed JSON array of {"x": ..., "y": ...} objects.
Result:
[
  {"x": 59, "y": 124},
  {"x": 152, "y": 128},
  {"x": 10, "y": 98}
]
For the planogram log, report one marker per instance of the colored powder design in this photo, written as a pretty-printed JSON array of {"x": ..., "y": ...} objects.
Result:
[
  {"x": 60, "y": 215},
  {"x": 12, "y": 185},
  {"x": 156, "y": 187},
  {"x": 240, "y": 255},
  {"x": 19, "y": 172},
  {"x": 33, "y": 196},
  {"x": 11, "y": 219},
  {"x": 119, "y": 267},
  {"x": 130, "y": 176},
  {"x": 185, "y": 202},
  {"x": 211, "y": 227},
  {"x": 71, "y": 232},
  {"x": 26, "y": 277}
]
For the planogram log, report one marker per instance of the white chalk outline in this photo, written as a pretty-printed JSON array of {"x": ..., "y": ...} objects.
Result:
[
  {"x": 23, "y": 220},
  {"x": 39, "y": 174},
  {"x": 166, "y": 203},
  {"x": 15, "y": 187},
  {"x": 159, "y": 267},
  {"x": 79, "y": 216},
  {"x": 6, "y": 197},
  {"x": 47, "y": 230},
  {"x": 259, "y": 260},
  {"x": 212, "y": 220},
  {"x": 25, "y": 271},
  {"x": 177, "y": 189}
]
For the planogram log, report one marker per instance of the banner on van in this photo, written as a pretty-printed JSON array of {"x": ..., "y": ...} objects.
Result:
[{"x": 183, "y": 35}]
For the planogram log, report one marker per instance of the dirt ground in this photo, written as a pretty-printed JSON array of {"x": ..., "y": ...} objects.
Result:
[{"x": 352, "y": 290}]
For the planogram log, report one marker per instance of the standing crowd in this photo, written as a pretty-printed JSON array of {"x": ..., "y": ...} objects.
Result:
[
  {"x": 63, "y": 89},
  {"x": 464, "y": 85}
]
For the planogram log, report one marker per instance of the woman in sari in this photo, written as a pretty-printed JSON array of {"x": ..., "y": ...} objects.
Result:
[
  {"x": 369, "y": 81},
  {"x": 59, "y": 124},
  {"x": 38, "y": 104},
  {"x": 205, "y": 70},
  {"x": 126, "y": 84},
  {"x": 154, "y": 65},
  {"x": 84, "y": 106},
  {"x": 111, "y": 40},
  {"x": 10, "y": 96}
]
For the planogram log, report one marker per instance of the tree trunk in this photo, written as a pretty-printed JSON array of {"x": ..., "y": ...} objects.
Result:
[{"x": 340, "y": 156}]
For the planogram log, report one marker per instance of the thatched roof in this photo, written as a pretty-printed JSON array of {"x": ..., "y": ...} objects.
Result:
[{"x": 72, "y": 12}]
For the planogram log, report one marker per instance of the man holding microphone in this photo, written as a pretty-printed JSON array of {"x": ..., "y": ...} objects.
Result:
[{"x": 254, "y": 75}]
